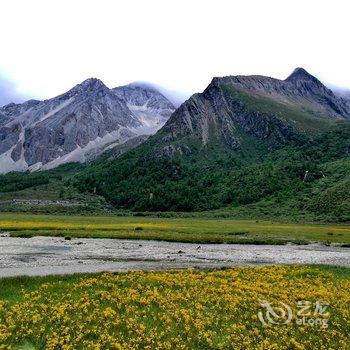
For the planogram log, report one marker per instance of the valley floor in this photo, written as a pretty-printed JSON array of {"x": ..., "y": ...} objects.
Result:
[
  {"x": 187, "y": 306},
  {"x": 192, "y": 230},
  {"x": 48, "y": 244}
]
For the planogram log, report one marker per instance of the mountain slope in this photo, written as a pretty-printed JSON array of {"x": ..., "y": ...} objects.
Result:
[
  {"x": 76, "y": 126},
  {"x": 242, "y": 140},
  {"x": 147, "y": 104},
  {"x": 260, "y": 107}
]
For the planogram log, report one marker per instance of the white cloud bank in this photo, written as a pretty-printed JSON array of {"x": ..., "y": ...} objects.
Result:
[{"x": 49, "y": 46}]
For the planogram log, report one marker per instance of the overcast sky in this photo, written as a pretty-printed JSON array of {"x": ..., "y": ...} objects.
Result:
[{"x": 49, "y": 46}]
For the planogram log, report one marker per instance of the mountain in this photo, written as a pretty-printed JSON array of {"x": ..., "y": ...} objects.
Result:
[
  {"x": 236, "y": 107},
  {"x": 150, "y": 107},
  {"x": 242, "y": 140},
  {"x": 77, "y": 125}
]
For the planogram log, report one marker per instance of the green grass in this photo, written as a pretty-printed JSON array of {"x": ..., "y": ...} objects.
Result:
[
  {"x": 199, "y": 230},
  {"x": 12, "y": 287},
  {"x": 300, "y": 116}
]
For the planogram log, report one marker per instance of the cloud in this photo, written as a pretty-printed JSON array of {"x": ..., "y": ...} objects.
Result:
[
  {"x": 339, "y": 91},
  {"x": 344, "y": 93},
  {"x": 174, "y": 45},
  {"x": 175, "y": 97},
  {"x": 9, "y": 92}
]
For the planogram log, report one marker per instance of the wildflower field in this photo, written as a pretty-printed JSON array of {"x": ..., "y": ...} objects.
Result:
[
  {"x": 186, "y": 309},
  {"x": 200, "y": 230}
]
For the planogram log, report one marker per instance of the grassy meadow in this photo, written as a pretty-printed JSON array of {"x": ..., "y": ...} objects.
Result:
[
  {"x": 198, "y": 230},
  {"x": 186, "y": 309}
]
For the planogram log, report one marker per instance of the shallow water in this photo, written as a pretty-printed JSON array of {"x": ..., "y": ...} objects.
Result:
[{"x": 54, "y": 255}]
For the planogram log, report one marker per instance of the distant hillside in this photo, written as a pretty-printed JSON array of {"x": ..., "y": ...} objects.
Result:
[{"x": 244, "y": 140}]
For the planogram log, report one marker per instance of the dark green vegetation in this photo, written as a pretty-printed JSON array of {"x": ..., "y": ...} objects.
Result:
[
  {"x": 305, "y": 179},
  {"x": 242, "y": 184},
  {"x": 196, "y": 230},
  {"x": 47, "y": 192},
  {"x": 14, "y": 182}
]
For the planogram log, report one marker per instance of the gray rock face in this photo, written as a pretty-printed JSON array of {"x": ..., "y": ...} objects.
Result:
[
  {"x": 82, "y": 122},
  {"x": 263, "y": 107},
  {"x": 148, "y": 104}
]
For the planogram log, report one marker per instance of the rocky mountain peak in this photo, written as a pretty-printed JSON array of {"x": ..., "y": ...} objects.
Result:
[
  {"x": 264, "y": 108},
  {"x": 311, "y": 89},
  {"x": 138, "y": 85},
  {"x": 140, "y": 94},
  {"x": 93, "y": 83},
  {"x": 88, "y": 86},
  {"x": 77, "y": 125},
  {"x": 147, "y": 104},
  {"x": 301, "y": 75}
]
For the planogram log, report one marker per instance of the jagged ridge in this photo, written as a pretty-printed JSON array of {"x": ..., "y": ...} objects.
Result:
[
  {"x": 77, "y": 125},
  {"x": 257, "y": 106}
]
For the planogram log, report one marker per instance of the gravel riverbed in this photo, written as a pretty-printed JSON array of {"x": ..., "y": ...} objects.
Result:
[{"x": 55, "y": 255}]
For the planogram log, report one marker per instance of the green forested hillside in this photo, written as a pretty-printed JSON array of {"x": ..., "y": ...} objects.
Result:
[
  {"x": 250, "y": 183},
  {"x": 47, "y": 192},
  {"x": 309, "y": 176}
]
